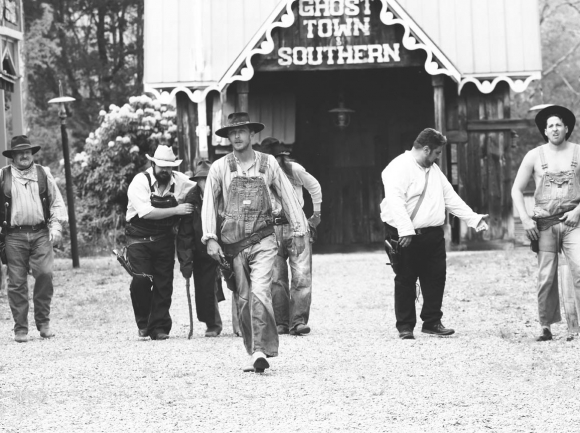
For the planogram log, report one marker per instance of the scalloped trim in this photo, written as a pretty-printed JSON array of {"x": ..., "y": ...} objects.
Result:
[{"x": 486, "y": 85}]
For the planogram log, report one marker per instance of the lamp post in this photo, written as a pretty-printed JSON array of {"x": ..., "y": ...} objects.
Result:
[{"x": 67, "y": 173}]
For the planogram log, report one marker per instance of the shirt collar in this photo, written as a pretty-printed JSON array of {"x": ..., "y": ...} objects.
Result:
[
  {"x": 154, "y": 182},
  {"x": 256, "y": 157}
]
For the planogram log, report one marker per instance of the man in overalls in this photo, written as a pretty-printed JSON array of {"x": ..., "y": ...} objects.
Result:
[
  {"x": 237, "y": 190},
  {"x": 154, "y": 208},
  {"x": 554, "y": 224}
]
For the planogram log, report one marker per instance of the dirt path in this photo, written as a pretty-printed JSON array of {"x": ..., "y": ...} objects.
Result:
[{"x": 350, "y": 374}]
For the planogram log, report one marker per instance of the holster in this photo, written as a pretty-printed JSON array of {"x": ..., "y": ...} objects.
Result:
[
  {"x": 392, "y": 247},
  {"x": 122, "y": 259},
  {"x": 3, "y": 249}
]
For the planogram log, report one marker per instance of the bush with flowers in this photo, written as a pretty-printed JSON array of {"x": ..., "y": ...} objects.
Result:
[{"x": 113, "y": 154}]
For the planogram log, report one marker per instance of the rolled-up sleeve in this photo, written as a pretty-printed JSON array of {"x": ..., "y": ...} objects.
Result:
[
  {"x": 211, "y": 195},
  {"x": 140, "y": 196}
]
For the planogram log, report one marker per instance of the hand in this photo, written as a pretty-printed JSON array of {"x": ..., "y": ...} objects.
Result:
[
  {"x": 482, "y": 226},
  {"x": 531, "y": 229},
  {"x": 298, "y": 245},
  {"x": 405, "y": 241},
  {"x": 55, "y": 237},
  {"x": 187, "y": 270},
  {"x": 183, "y": 209},
  {"x": 214, "y": 250},
  {"x": 314, "y": 220},
  {"x": 571, "y": 218}
]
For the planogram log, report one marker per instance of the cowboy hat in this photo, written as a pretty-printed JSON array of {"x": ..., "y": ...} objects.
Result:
[
  {"x": 555, "y": 110},
  {"x": 273, "y": 146},
  {"x": 201, "y": 169},
  {"x": 20, "y": 142},
  {"x": 164, "y": 157},
  {"x": 239, "y": 119}
]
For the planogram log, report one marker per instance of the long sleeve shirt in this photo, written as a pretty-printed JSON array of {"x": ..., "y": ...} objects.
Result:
[
  {"x": 301, "y": 178},
  {"x": 26, "y": 203},
  {"x": 404, "y": 180},
  {"x": 217, "y": 187},
  {"x": 139, "y": 192}
]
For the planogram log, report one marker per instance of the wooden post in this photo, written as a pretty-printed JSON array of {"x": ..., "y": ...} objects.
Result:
[
  {"x": 243, "y": 90},
  {"x": 186, "y": 124},
  {"x": 3, "y": 139},
  {"x": 202, "y": 130}
]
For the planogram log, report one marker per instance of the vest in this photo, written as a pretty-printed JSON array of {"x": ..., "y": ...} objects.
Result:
[
  {"x": 142, "y": 227},
  {"x": 6, "y": 195}
]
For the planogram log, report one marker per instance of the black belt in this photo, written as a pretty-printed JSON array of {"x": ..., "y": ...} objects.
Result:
[
  {"x": 280, "y": 221},
  {"x": 424, "y": 230},
  {"x": 233, "y": 250},
  {"x": 26, "y": 229}
]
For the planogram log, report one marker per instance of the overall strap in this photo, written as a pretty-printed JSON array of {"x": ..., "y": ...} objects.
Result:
[
  {"x": 543, "y": 159},
  {"x": 263, "y": 163},
  {"x": 232, "y": 163},
  {"x": 148, "y": 176},
  {"x": 418, "y": 205},
  {"x": 575, "y": 157}
]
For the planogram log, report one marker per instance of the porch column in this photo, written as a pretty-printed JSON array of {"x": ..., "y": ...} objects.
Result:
[
  {"x": 3, "y": 139},
  {"x": 186, "y": 124},
  {"x": 438, "y": 82},
  {"x": 243, "y": 90},
  {"x": 202, "y": 131}
]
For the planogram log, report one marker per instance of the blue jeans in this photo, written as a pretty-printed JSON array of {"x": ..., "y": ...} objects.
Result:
[
  {"x": 559, "y": 236},
  {"x": 291, "y": 303},
  {"x": 29, "y": 250}
]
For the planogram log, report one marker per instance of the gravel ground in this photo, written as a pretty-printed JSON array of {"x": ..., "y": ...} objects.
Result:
[{"x": 350, "y": 374}]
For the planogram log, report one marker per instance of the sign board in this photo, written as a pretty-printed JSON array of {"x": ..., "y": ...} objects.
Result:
[{"x": 338, "y": 34}]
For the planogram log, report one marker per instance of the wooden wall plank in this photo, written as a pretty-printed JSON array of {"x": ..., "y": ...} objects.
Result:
[
  {"x": 169, "y": 55},
  {"x": 497, "y": 36},
  {"x": 514, "y": 28}
]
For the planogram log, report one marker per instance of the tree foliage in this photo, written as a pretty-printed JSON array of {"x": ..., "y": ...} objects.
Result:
[{"x": 113, "y": 154}]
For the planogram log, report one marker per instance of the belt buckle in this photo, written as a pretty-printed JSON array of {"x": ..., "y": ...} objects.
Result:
[
  {"x": 277, "y": 220},
  {"x": 255, "y": 238}
]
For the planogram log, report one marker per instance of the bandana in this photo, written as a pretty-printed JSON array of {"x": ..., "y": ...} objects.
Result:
[{"x": 24, "y": 176}]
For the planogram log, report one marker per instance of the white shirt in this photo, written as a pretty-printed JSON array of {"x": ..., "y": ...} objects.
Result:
[
  {"x": 301, "y": 178},
  {"x": 404, "y": 180},
  {"x": 139, "y": 192}
]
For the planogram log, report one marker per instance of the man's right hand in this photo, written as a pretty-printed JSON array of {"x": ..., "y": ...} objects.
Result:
[
  {"x": 531, "y": 229},
  {"x": 214, "y": 250},
  {"x": 183, "y": 209},
  {"x": 405, "y": 241}
]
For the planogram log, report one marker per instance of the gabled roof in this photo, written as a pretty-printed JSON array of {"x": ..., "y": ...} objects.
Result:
[{"x": 207, "y": 44}]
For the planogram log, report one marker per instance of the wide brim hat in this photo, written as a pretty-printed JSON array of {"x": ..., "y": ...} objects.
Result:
[
  {"x": 20, "y": 143},
  {"x": 239, "y": 119},
  {"x": 555, "y": 110},
  {"x": 201, "y": 169},
  {"x": 164, "y": 157},
  {"x": 273, "y": 146}
]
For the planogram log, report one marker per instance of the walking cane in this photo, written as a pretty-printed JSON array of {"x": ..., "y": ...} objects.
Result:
[{"x": 190, "y": 313}]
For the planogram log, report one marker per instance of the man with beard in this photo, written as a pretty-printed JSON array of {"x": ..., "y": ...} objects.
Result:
[
  {"x": 155, "y": 205},
  {"x": 554, "y": 225},
  {"x": 417, "y": 194},
  {"x": 238, "y": 190},
  {"x": 31, "y": 213}
]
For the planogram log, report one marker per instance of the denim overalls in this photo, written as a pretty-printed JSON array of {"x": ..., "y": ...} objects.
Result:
[
  {"x": 555, "y": 194},
  {"x": 247, "y": 210}
]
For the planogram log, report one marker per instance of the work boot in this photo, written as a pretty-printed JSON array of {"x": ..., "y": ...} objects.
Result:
[
  {"x": 45, "y": 331},
  {"x": 21, "y": 336},
  {"x": 260, "y": 362},
  {"x": 300, "y": 330},
  {"x": 437, "y": 329},
  {"x": 546, "y": 335}
]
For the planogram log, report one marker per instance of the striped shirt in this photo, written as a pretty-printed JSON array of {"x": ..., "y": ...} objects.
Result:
[
  {"x": 27, "y": 206},
  {"x": 218, "y": 184}
]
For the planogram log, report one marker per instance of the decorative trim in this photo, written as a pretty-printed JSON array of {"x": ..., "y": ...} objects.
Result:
[
  {"x": 518, "y": 82},
  {"x": 14, "y": 34},
  {"x": 413, "y": 33}
]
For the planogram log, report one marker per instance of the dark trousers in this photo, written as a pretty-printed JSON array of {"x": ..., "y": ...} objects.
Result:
[
  {"x": 207, "y": 290},
  {"x": 151, "y": 301},
  {"x": 424, "y": 259}
]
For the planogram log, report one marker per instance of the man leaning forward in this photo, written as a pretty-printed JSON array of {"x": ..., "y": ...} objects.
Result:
[
  {"x": 417, "y": 194},
  {"x": 237, "y": 190}
]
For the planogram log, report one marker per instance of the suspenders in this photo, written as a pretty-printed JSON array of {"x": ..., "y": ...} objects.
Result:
[
  {"x": 233, "y": 167},
  {"x": 545, "y": 164}
]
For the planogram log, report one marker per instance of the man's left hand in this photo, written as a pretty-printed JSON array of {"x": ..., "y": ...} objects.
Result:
[
  {"x": 571, "y": 218},
  {"x": 55, "y": 237},
  {"x": 298, "y": 245},
  {"x": 482, "y": 226}
]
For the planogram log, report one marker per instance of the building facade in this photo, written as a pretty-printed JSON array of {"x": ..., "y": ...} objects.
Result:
[{"x": 350, "y": 83}]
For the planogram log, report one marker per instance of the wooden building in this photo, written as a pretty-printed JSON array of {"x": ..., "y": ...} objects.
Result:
[
  {"x": 12, "y": 73},
  {"x": 350, "y": 84}
]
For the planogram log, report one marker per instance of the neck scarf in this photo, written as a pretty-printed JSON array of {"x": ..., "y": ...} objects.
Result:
[{"x": 24, "y": 176}]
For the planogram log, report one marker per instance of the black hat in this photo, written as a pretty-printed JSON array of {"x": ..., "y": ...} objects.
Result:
[
  {"x": 273, "y": 146},
  {"x": 239, "y": 119},
  {"x": 555, "y": 110},
  {"x": 20, "y": 142}
]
